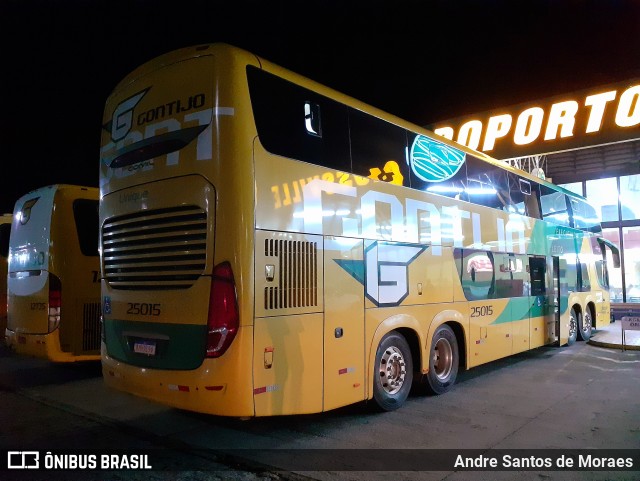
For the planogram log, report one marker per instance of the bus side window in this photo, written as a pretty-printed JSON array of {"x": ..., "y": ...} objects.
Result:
[
  {"x": 477, "y": 275},
  {"x": 378, "y": 149},
  {"x": 511, "y": 277}
]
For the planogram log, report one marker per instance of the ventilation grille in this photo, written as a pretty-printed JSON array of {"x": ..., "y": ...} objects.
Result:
[
  {"x": 91, "y": 326},
  {"x": 296, "y": 275},
  {"x": 155, "y": 249}
]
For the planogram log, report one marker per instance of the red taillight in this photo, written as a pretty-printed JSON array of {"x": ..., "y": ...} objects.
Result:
[
  {"x": 223, "y": 311},
  {"x": 55, "y": 302}
]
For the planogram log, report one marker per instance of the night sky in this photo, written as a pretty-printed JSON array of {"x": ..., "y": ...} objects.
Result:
[{"x": 423, "y": 61}]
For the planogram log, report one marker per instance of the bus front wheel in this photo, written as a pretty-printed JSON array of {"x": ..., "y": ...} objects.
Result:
[
  {"x": 393, "y": 372},
  {"x": 443, "y": 360}
]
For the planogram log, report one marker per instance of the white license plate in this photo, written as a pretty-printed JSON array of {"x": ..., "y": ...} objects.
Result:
[{"x": 147, "y": 347}]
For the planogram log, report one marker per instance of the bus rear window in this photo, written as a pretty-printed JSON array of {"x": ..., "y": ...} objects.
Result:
[
  {"x": 5, "y": 230},
  {"x": 85, "y": 212}
]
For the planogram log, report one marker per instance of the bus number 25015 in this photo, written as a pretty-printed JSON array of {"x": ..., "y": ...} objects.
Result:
[
  {"x": 143, "y": 309},
  {"x": 481, "y": 311}
]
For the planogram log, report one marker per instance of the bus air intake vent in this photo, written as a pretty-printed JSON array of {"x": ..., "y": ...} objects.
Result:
[
  {"x": 296, "y": 276},
  {"x": 155, "y": 249},
  {"x": 91, "y": 326}
]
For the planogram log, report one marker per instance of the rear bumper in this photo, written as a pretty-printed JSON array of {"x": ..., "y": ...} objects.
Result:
[
  {"x": 44, "y": 346},
  {"x": 198, "y": 390}
]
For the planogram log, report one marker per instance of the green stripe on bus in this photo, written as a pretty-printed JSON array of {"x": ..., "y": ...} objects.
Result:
[
  {"x": 175, "y": 346},
  {"x": 520, "y": 308}
]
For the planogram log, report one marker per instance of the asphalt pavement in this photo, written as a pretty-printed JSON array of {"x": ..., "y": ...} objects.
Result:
[{"x": 549, "y": 401}]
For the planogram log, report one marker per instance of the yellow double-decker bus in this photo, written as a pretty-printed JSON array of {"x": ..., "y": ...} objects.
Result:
[
  {"x": 270, "y": 246},
  {"x": 53, "y": 280}
]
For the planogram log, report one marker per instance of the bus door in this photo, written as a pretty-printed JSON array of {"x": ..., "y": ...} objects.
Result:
[
  {"x": 343, "y": 322},
  {"x": 288, "y": 327},
  {"x": 541, "y": 301},
  {"x": 560, "y": 291}
]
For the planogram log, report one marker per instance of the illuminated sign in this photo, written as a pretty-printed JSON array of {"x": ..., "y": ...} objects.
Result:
[{"x": 582, "y": 119}]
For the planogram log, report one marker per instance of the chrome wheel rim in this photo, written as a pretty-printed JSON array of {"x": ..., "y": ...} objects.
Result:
[
  {"x": 573, "y": 326},
  {"x": 586, "y": 323},
  {"x": 442, "y": 359},
  {"x": 392, "y": 370}
]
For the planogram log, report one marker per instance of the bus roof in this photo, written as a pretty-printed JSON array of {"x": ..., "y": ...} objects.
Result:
[{"x": 248, "y": 58}]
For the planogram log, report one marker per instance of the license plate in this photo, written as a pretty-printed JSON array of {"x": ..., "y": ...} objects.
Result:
[{"x": 146, "y": 347}]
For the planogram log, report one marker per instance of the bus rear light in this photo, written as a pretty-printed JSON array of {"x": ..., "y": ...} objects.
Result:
[
  {"x": 178, "y": 387},
  {"x": 55, "y": 302},
  {"x": 223, "y": 311}
]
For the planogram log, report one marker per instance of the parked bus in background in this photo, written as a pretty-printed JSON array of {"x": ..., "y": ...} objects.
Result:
[
  {"x": 5, "y": 230},
  {"x": 53, "y": 287},
  {"x": 270, "y": 246}
]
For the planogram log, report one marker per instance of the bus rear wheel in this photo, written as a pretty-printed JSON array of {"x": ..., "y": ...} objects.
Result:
[
  {"x": 585, "y": 324},
  {"x": 573, "y": 327},
  {"x": 393, "y": 372},
  {"x": 443, "y": 361}
]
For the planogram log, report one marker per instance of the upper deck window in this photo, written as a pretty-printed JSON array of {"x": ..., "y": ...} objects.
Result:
[
  {"x": 554, "y": 206},
  {"x": 378, "y": 149},
  {"x": 301, "y": 124},
  {"x": 584, "y": 216},
  {"x": 298, "y": 123}
]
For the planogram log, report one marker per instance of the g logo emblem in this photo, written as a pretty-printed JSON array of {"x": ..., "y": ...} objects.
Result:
[{"x": 122, "y": 119}]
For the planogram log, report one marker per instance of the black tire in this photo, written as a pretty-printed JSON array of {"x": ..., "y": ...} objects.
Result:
[
  {"x": 585, "y": 325},
  {"x": 573, "y": 327},
  {"x": 393, "y": 372},
  {"x": 444, "y": 360}
]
